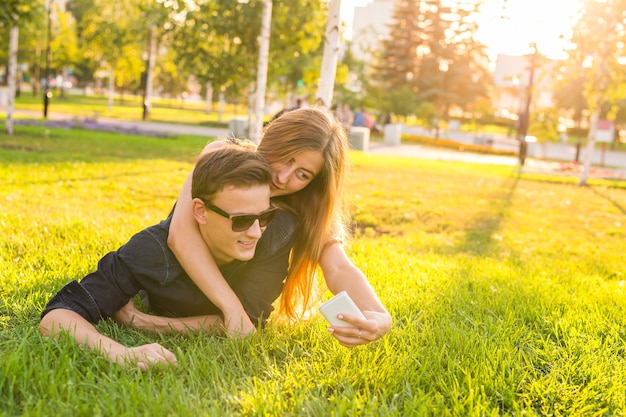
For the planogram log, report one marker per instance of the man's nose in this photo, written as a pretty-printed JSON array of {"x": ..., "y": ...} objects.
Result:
[{"x": 255, "y": 230}]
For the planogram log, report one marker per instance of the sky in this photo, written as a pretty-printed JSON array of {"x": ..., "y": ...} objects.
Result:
[{"x": 511, "y": 29}]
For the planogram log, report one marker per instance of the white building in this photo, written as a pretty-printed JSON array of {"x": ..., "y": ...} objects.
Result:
[{"x": 370, "y": 25}]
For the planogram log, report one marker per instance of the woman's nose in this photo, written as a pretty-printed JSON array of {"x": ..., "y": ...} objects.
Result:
[{"x": 283, "y": 175}]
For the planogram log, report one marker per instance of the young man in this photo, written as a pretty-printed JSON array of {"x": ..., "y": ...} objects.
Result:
[{"x": 231, "y": 204}]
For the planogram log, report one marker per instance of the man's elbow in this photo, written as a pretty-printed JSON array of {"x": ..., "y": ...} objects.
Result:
[{"x": 46, "y": 324}]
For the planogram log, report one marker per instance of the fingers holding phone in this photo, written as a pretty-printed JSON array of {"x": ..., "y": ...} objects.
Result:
[{"x": 344, "y": 317}]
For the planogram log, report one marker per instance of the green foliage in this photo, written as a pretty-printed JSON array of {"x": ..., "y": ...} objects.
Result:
[
  {"x": 25, "y": 14},
  {"x": 16, "y": 11},
  {"x": 225, "y": 35},
  {"x": 597, "y": 52},
  {"x": 545, "y": 125},
  {"x": 432, "y": 51},
  {"x": 114, "y": 39},
  {"x": 507, "y": 292}
]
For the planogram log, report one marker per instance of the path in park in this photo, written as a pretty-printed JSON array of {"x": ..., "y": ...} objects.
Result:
[{"x": 553, "y": 158}]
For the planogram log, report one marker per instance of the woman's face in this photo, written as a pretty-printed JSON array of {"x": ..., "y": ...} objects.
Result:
[{"x": 293, "y": 175}]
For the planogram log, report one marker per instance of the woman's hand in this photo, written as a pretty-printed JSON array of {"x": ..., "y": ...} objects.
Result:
[{"x": 375, "y": 326}]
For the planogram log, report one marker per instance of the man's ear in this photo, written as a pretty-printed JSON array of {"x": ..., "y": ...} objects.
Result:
[{"x": 199, "y": 211}]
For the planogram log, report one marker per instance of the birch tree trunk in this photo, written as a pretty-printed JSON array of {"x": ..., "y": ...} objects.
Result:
[
  {"x": 13, "y": 42},
  {"x": 111, "y": 88},
  {"x": 152, "y": 50},
  {"x": 220, "y": 106},
  {"x": 209, "y": 97},
  {"x": 331, "y": 55},
  {"x": 261, "y": 79},
  {"x": 591, "y": 144}
]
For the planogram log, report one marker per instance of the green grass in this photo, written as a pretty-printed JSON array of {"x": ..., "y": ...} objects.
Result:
[
  {"x": 130, "y": 108},
  {"x": 507, "y": 291}
]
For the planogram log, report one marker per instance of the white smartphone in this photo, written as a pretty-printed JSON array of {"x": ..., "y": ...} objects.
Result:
[{"x": 340, "y": 304}]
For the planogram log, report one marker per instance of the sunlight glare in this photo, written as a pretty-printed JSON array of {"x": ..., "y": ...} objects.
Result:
[{"x": 512, "y": 29}]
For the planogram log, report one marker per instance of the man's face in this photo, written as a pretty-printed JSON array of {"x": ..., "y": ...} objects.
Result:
[{"x": 217, "y": 231}]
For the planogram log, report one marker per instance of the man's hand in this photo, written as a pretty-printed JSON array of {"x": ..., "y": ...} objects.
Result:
[{"x": 144, "y": 356}]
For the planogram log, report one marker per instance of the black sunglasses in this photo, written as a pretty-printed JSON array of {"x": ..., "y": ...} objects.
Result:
[{"x": 242, "y": 222}]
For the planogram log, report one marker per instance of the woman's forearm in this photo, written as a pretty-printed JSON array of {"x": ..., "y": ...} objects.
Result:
[
  {"x": 341, "y": 274},
  {"x": 190, "y": 249}
]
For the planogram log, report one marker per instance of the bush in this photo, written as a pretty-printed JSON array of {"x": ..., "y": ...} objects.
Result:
[{"x": 445, "y": 143}]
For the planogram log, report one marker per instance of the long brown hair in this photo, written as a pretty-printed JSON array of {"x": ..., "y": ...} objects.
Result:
[{"x": 318, "y": 205}]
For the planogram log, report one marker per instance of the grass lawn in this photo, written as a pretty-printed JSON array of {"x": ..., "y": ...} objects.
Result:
[
  {"x": 507, "y": 291},
  {"x": 131, "y": 108}
]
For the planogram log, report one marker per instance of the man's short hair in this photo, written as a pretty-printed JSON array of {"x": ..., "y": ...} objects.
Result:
[{"x": 236, "y": 165}]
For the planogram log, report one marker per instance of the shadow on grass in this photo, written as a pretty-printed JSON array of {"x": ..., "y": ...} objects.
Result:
[
  {"x": 481, "y": 231},
  {"x": 615, "y": 203}
]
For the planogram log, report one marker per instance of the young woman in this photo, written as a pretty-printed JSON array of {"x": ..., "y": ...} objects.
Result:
[{"x": 307, "y": 151}]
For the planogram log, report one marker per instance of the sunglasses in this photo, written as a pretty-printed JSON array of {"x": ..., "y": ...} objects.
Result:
[{"x": 242, "y": 222}]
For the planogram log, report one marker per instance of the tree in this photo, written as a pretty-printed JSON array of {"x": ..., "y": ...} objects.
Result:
[
  {"x": 568, "y": 93},
  {"x": 12, "y": 12},
  {"x": 331, "y": 54},
  {"x": 433, "y": 50},
  {"x": 114, "y": 38},
  {"x": 64, "y": 44},
  {"x": 217, "y": 43},
  {"x": 597, "y": 57},
  {"x": 351, "y": 78},
  {"x": 400, "y": 61},
  {"x": 261, "y": 83}
]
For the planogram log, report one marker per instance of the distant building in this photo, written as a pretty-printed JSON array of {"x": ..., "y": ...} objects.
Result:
[{"x": 370, "y": 25}]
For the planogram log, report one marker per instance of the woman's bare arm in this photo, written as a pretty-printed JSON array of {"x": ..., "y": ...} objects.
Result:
[
  {"x": 186, "y": 242},
  {"x": 341, "y": 274}
]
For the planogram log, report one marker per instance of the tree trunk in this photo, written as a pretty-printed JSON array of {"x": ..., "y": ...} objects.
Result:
[
  {"x": 220, "y": 106},
  {"x": 111, "y": 88},
  {"x": 256, "y": 128},
  {"x": 251, "y": 113},
  {"x": 330, "y": 57},
  {"x": 147, "y": 101},
  {"x": 591, "y": 144},
  {"x": 36, "y": 78},
  {"x": 209, "y": 97},
  {"x": 12, "y": 78}
]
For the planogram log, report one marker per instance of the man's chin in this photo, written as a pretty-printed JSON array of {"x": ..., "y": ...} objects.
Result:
[{"x": 247, "y": 254}]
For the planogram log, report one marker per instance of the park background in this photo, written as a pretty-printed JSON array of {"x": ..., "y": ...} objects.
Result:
[
  {"x": 518, "y": 69},
  {"x": 506, "y": 285}
]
